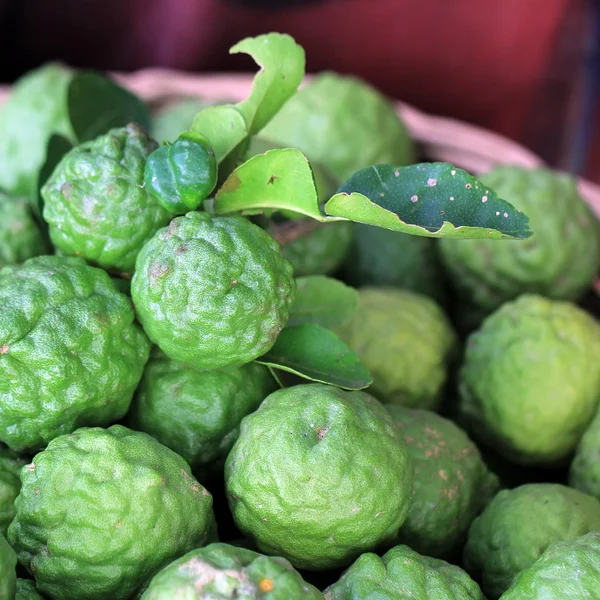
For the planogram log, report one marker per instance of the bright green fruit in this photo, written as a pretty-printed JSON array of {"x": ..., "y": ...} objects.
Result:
[
  {"x": 568, "y": 570},
  {"x": 585, "y": 468},
  {"x": 519, "y": 524},
  {"x": 320, "y": 252},
  {"x": 95, "y": 202},
  {"x": 451, "y": 483},
  {"x": 403, "y": 574},
  {"x": 380, "y": 257},
  {"x": 35, "y": 109},
  {"x": 198, "y": 413},
  {"x": 70, "y": 351},
  {"x": 181, "y": 175},
  {"x": 342, "y": 123},
  {"x": 336, "y": 482},
  {"x": 531, "y": 379},
  {"x": 212, "y": 291},
  {"x": 223, "y": 572},
  {"x": 559, "y": 261},
  {"x": 173, "y": 119},
  {"x": 101, "y": 511},
  {"x": 8, "y": 575},
  {"x": 406, "y": 342},
  {"x": 10, "y": 484},
  {"x": 20, "y": 236},
  {"x": 26, "y": 590}
]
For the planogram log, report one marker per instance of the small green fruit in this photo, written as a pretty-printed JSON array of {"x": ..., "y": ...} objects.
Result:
[{"x": 181, "y": 175}]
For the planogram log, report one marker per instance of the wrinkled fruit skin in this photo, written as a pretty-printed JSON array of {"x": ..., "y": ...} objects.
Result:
[
  {"x": 223, "y": 572},
  {"x": 20, "y": 237},
  {"x": 380, "y": 257},
  {"x": 566, "y": 570},
  {"x": 342, "y": 123},
  {"x": 320, "y": 252},
  {"x": 10, "y": 484},
  {"x": 70, "y": 351},
  {"x": 530, "y": 381},
  {"x": 95, "y": 202},
  {"x": 212, "y": 291},
  {"x": 559, "y": 261},
  {"x": 402, "y": 573},
  {"x": 181, "y": 175},
  {"x": 26, "y": 590},
  {"x": 36, "y": 108},
  {"x": 198, "y": 413},
  {"x": 8, "y": 576},
  {"x": 322, "y": 497},
  {"x": 406, "y": 342},
  {"x": 451, "y": 483},
  {"x": 584, "y": 472},
  {"x": 519, "y": 524},
  {"x": 132, "y": 507}
]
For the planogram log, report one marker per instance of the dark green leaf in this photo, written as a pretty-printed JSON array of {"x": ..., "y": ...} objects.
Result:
[
  {"x": 97, "y": 104},
  {"x": 57, "y": 147},
  {"x": 322, "y": 300},
  {"x": 317, "y": 354},
  {"x": 432, "y": 199}
]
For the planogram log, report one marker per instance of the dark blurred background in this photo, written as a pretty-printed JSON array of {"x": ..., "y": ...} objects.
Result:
[{"x": 528, "y": 69}]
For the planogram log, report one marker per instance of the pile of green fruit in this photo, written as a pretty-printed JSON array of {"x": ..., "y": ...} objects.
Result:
[{"x": 235, "y": 361}]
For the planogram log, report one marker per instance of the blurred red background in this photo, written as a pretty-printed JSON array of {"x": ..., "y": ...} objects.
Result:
[{"x": 513, "y": 66}]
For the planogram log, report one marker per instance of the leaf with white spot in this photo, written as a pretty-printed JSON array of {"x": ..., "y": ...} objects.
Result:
[{"x": 427, "y": 199}]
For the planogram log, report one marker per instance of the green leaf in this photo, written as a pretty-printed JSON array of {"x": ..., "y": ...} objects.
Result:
[
  {"x": 97, "y": 104},
  {"x": 282, "y": 63},
  {"x": 281, "y": 179},
  {"x": 317, "y": 354},
  {"x": 57, "y": 147},
  {"x": 229, "y": 126},
  {"x": 322, "y": 300},
  {"x": 429, "y": 199}
]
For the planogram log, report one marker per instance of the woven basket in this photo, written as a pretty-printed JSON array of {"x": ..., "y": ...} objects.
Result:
[{"x": 467, "y": 146}]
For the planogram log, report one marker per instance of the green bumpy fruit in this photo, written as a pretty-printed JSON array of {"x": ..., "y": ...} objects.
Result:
[
  {"x": 406, "y": 342},
  {"x": 20, "y": 236},
  {"x": 320, "y": 252},
  {"x": 71, "y": 353},
  {"x": 519, "y": 524},
  {"x": 101, "y": 511},
  {"x": 95, "y": 202},
  {"x": 451, "y": 483},
  {"x": 8, "y": 574},
  {"x": 212, "y": 291},
  {"x": 10, "y": 484},
  {"x": 36, "y": 108},
  {"x": 223, "y": 572},
  {"x": 568, "y": 570},
  {"x": 337, "y": 481},
  {"x": 181, "y": 175},
  {"x": 342, "y": 123},
  {"x": 383, "y": 258},
  {"x": 584, "y": 473},
  {"x": 560, "y": 260},
  {"x": 403, "y": 574},
  {"x": 26, "y": 590},
  {"x": 530, "y": 381},
  {"x": 198, "y": 413}
]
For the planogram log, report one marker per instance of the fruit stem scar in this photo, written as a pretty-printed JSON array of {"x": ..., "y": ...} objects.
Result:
[{"x": 265, "y": 585}]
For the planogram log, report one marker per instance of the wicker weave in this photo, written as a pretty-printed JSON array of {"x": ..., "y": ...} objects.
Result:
[{"x": 467, "y": 146}]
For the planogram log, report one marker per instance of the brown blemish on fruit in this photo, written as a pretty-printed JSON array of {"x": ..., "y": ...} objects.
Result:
[
  {"x": 181, "y": 249},
  {"x": 3, "y": 349},
  {"x": 30, "y": 467},
  {"x": 157, "y": 270},
  {"x": 118, "y": 526},
  {"x": 321, "y": 432},
  {"x": 443, "y": 475},
  {"x": 266, "y": 585},
  {"x": 272, "y": 179}
]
